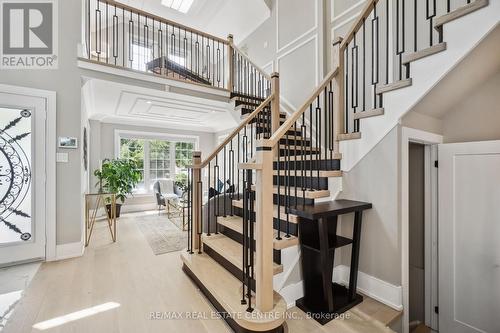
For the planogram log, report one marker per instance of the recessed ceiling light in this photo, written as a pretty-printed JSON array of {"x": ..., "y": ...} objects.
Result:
[
  {"x": 149, "y": 102},
  {"x": 182, "y": 6}
]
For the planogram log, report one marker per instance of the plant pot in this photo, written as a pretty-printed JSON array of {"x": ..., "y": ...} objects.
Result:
[{"x": 118, "y": 209}]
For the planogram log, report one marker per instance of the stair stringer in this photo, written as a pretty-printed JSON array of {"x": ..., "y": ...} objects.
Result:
[{"x": 462, "y": 36}]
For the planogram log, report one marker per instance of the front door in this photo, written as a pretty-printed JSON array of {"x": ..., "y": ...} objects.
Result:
[
  {"x": 22, "y": 178},
  {"x": 469, "y": 237}
]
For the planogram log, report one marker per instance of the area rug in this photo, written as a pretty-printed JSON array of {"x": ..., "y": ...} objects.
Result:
[{"x": 162, "y": 235}]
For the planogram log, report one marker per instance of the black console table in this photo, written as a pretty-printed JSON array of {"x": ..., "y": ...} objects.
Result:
[{"x": 323, "y": 299}]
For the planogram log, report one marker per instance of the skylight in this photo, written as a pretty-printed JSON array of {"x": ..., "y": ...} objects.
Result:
[{"x": 182, "y": 6}]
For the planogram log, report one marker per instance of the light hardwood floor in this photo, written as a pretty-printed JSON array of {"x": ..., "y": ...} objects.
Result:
[{"x": 129, "y": 274}]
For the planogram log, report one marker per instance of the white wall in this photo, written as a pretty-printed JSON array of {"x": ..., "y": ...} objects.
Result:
[
  {"x": 477, "y": 116},
  {"x": 291, "y": 42},
  {"x": 375, "y": 179},
  {"x": 65, "y": 81}
]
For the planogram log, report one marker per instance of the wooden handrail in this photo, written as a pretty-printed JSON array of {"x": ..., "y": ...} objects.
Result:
[
  {"x": 267, "y": 76},
  {"x": 370, "y": 4},
  {"x": 235, "y": 132},
  {"x": 162, "y": 19},
  {"x": 281, "y": 132}
]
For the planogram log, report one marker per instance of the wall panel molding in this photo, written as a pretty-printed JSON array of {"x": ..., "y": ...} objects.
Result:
[
  {"x": 311, "y": 30},
  {"x": 289, "y": 52}
]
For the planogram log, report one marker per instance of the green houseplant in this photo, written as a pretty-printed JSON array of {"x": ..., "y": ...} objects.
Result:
[{"x": 118, "y": 176}]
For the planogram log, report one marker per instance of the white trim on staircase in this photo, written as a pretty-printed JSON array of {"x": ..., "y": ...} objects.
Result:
[
  {"x": 291, "y": 293},
  {"x": 70, "y": 250}
]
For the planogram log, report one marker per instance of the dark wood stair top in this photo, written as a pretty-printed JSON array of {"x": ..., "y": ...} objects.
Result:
[{"x": 330, "y": 208}]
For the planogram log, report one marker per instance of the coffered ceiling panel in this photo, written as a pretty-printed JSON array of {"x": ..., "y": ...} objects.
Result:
[{"x": 107, "y": 100}]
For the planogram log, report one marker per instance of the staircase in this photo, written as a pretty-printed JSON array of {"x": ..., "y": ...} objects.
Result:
[{"x": 242, "y": 196}]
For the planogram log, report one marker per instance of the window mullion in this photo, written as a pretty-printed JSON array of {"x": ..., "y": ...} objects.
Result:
[
  {"x": 147, "y": 179},
  {"x": 172, "y": 160}
]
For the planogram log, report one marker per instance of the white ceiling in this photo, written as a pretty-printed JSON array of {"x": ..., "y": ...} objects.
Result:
[
  {"x": 120, "y": 103},
  {"x": 216, "y": 17}
]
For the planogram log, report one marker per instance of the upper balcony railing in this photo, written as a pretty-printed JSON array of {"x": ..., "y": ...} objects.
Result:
[{"x": 125, "y": 37}]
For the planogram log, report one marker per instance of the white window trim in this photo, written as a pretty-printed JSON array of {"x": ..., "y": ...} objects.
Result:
[{"x": 119, "y": 134}]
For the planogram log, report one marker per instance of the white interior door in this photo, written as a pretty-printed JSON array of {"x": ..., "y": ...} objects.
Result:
[
  {"x": 22, "y": 177},
  {"x": 469, "y": 237}
]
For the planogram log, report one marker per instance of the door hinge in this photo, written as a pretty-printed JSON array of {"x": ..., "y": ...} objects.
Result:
[
  {"x": 436, "y": 309},
  {"x": 436, "y": 164}
]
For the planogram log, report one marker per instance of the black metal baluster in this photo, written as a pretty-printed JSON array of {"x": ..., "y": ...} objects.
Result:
[
  {"x": 387, "y": 18},
  {"x": 238, "y": 175},
  {"x": 224, "y": 180},
  {"x": 318, "y": 139},
  {"x": 303, "y": 137},
  {"x": 295, "y": 161},
  {"x": 98, "y": 31},
  {"x": 415, "y": 28},
  {"x": 364, "y": 69},
  {"x": 246, "y": 218},
  {"x": 278, "y": 181},
  {"x": 115, "y": 36},
  {"x": 346, "y": 111},
  {"x": 208, "y": 204},
  {"x": 251, "y": 243},
  {"x": 200, "y": 209},
  {"x": 216, "y": 187},
  {"x": 375, "y": 53},
  {"x": 231, "y": 176},
  {"x": 332, "y": 122},
  {"x": 310, "y": 146},
  {"x": 288, "y": 187}
]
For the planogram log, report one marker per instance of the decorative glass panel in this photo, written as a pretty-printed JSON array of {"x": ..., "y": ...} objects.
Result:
[{"x": 15, "y": 176}]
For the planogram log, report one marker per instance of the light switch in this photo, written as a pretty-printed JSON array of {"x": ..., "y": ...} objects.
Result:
[{"x": 62, "y": 158}]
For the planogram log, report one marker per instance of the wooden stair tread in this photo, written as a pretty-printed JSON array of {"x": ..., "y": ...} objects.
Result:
[
  {"x": 307, "y": 193},
  {"x": 231, "y": 250},
  {"x": 226, "y": 289},
  {"x": 308, "y": 173},
  {"x": 245, "y": 116},
  {"x": 349, "y": 136},
  {"x": 298, "y": 147},
  {"x": 236, "y": 223},
  {"x": 459, "y": 12},
  {"x": 407, "y": 58},
  {"x": 383, "y": 88},
  {"x": 329, "y": 208},
  {"x": 282, "y": 216},
  {"x": 313, "y": 157},
  {"x": 369, "y": 113}
]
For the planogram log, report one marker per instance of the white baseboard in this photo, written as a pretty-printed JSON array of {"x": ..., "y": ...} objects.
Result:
[
  {"x": 373, "y": 287},
  {"x": 70, "y": 250},
  {"x": 370, "y": 286}
]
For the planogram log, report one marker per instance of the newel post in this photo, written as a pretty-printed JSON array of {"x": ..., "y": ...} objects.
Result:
[
  {"x": 275, "y": 103},
  {"x": 197, "y": 203},
  {"x": 230, "y": 49},
  {"x": 264, "y": 226},
  {"x": 338, "y": 91}
]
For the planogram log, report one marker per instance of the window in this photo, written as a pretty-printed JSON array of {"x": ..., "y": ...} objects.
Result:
[
  {"x": 140, "y": 57},
  {"x": 182, "y": 6},
  {"x": 157, "y": 158},
  {"x": 134, "y": 149}
]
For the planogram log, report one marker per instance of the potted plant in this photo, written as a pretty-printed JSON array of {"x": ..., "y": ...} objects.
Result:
[
  {"x": 181, "y": 183},
  {"x": 118, "y": 176}
]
